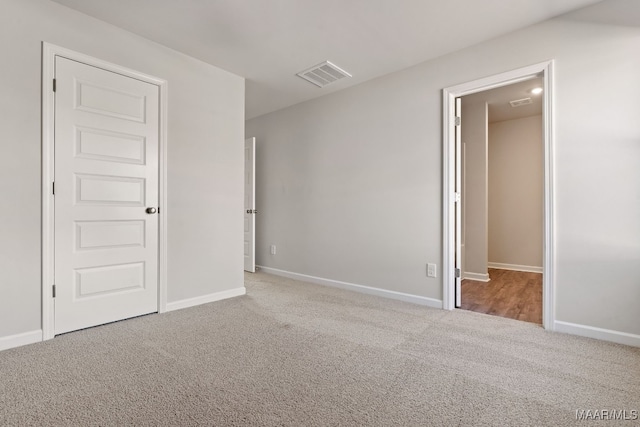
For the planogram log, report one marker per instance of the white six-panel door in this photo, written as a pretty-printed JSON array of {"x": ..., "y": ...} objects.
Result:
[
  {"x": 106, "y": 176},
  {"x": 249, "y": 205}
]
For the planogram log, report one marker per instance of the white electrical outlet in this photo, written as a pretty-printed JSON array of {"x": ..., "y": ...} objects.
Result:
[
  {"x": 431, "y": 270},
  {"x": 273, "y": 249}
]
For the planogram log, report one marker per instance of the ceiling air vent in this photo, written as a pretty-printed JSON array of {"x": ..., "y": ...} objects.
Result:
[
  {"x": 323, "y": 74},
  {"x": 520, "y": 102}
]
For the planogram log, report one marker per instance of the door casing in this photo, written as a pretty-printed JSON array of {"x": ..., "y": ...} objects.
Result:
[
  {"x": 49, "y": 53},
  {"x": 449, "y": 179}
]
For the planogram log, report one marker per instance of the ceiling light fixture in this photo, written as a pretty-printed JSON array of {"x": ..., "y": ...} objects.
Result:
[{"x": 536, "y": 90}]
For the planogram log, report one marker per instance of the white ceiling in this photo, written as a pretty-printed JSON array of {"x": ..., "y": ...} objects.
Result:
[
  {"x": 498, "y": 100},
  {"x": 269, "y": 41}
]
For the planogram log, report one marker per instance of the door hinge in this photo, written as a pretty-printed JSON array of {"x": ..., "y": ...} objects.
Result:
[
  {"x": 457, "y": 121},
  {"x": 456, "y": 197},
  {"x": 54, "y": 291},
  {"x": 457, "y": 273},
  {"x": 54, "y": 85},
  {"x": 53, "y": 188}
]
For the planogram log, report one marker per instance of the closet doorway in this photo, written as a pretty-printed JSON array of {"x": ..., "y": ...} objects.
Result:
[
  {"x": 473, "y": 262},
  {"x": 502, "y": 201}
]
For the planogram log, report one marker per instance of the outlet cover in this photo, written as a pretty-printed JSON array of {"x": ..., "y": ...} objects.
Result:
[{"x": 431, "y": 270}]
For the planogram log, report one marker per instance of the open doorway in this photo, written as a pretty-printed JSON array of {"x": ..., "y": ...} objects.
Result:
[
  {"x": 452, "y": 184},
  {"x": 502, "y": 201}
]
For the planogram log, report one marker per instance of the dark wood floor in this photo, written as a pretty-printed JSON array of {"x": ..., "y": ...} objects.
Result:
[{"x": 513, "y": 294}]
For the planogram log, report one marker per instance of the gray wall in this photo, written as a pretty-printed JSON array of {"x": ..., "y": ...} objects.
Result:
[
  {"x": 516, "y": 166},
  {"x": 475, "y": 187},
  {"x": 205, "y": 160},
  {"x": 350, "y": 185}
]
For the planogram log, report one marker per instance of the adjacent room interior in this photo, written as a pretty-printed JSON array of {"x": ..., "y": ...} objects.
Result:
[{"x": 502, "y": 201}]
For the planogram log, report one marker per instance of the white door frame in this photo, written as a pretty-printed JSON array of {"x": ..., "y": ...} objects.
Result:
[
  {"x": 449, "y": 170},
  {"x": 49, "y": 53}
]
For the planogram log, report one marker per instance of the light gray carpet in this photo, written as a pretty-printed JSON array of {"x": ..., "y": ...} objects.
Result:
[{"x": 294, "y": 354}]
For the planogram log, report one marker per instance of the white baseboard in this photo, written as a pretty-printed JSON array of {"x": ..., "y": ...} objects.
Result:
[
  {"x": 597, "y": 333},
  {"x": 515, "y": 267},
  {"x": 18, "y": 340},
  {"x": 416, "y": 299},
  {"x": 204, "y": 299},
  {"x": 478, "y": 277}
]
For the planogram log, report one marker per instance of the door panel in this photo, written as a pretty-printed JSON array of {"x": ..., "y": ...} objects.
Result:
[
  {"x": 249, "y": 205},
  {"x": 109, "y": 279},
  {"x": 109, "y": 190},
  {"x": 106, "y": 100},
  {"x": 109, "y": 146},
  {"x": 109, "y": 234},
  {"x": 106, "y": 175}
]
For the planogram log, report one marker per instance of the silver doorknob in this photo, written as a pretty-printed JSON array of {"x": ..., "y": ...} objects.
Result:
[{"x": 151, "y": 210}]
